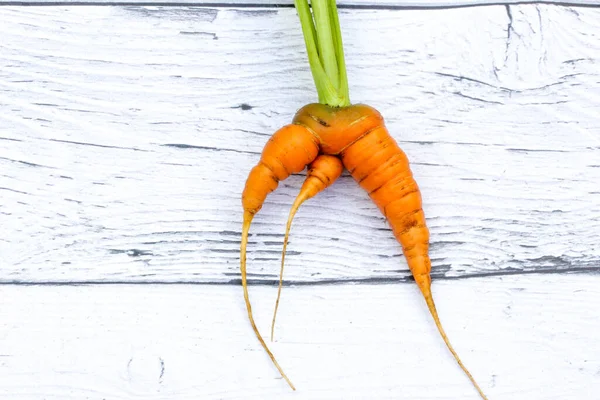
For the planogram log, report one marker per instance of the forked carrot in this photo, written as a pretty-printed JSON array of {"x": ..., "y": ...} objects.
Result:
[
  {"x": 357, "y": 135},
  {"x": 321, "y": 174}
]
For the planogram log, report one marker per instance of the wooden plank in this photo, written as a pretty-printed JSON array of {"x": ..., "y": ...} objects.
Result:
[
  {"x": 126, "y": 135},
  {"x": 530, "y": 337},
  {"x": 351, "y": 4}
]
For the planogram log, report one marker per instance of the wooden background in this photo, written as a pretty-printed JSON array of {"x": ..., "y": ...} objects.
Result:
[{"x": 126, "y": 134}]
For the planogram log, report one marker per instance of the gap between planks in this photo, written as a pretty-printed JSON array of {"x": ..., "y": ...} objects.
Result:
[{"x": 590, "y": 271}]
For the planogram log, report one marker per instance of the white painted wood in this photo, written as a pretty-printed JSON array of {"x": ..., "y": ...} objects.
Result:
[
  {"x": 400, "y": 4},
  {"x": 126, "y": 134},
  {"x": 524, "y": 338}
]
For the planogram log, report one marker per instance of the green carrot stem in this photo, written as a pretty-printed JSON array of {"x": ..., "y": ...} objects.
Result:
[
  {"x": 339, "y": 51},
  {"x": 323, "y": 39}
]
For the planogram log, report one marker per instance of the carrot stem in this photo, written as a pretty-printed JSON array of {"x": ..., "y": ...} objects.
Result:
[
  {"x": 339, "y": 50},
  {"x": 325, "y": 41},
  {"x": 322, "y": 37}
]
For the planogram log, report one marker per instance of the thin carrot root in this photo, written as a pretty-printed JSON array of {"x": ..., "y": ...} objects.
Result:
[
  {"x": 322, "y": 172},
  {"x": 245, "y": 229},
  {"x": 432, "y": 309},
  {"x": 299, "y": 200}
]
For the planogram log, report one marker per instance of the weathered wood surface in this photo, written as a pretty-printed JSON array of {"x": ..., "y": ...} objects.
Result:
[
  {"x": 371, "y": 4},
  {"x": 529, "y": 338},
  {"x": 126, "y": 134}
]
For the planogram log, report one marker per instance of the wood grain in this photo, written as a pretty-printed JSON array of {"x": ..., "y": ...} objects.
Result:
[
  {"x": 352, "y": 4},
  {"x": 531, "y": 337},
  {"x": 126, "y": 134}
]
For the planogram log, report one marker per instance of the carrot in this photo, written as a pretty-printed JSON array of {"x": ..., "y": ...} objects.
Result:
[
  {"x": 358, "y": 136},
  {"x": 373, "y": 158},
  {"x": 321, "y": 174}
]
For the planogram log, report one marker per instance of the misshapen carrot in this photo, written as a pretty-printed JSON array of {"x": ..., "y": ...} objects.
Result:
[
  {"x": 358, "y": 135},
  {"x": 321, "y": 174}
]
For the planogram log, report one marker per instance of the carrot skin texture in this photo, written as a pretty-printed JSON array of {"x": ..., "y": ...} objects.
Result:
[
  {"x": 322, "y": 172},
  {"x": 288, "y": 151}
]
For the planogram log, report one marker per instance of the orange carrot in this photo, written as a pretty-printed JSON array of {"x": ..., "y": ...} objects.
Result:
[
  {"x": 321, "y": 174},
  {"x": 358, "y": 135}
]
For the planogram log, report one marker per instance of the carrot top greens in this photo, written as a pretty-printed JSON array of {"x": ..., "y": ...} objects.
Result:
[{"x": 323, "y": 39}]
